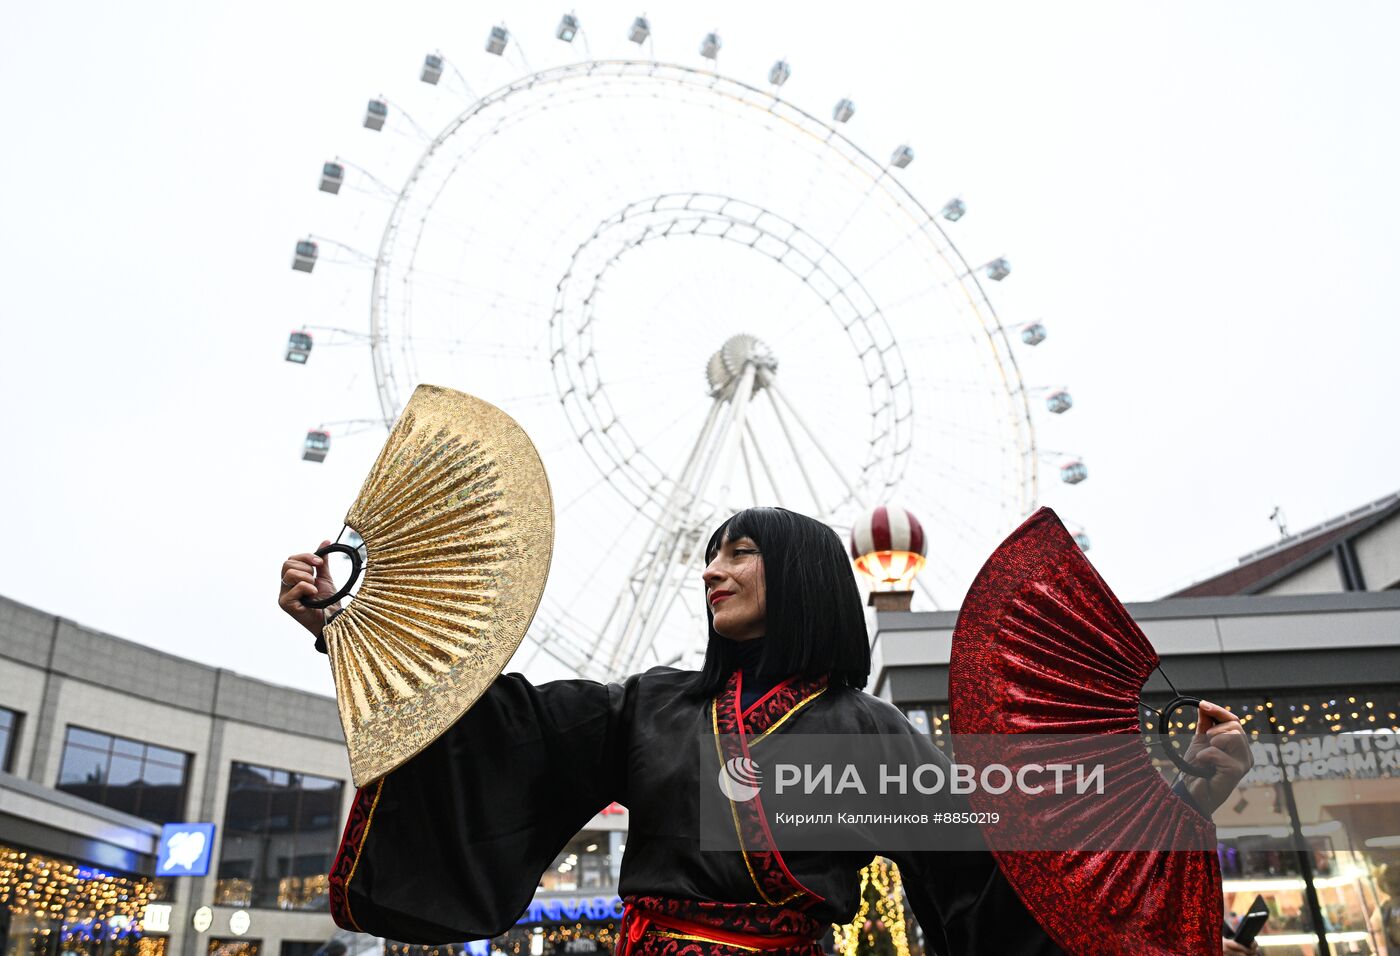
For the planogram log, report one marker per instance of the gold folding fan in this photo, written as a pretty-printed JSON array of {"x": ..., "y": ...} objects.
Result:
[{"x": 458, "y": 530}]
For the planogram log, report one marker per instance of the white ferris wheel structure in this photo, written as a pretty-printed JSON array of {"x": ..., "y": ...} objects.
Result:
[{"x": 695, "y": 296}]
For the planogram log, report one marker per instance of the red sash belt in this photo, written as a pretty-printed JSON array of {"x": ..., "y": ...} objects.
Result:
[{"x": 636, "y": 921}]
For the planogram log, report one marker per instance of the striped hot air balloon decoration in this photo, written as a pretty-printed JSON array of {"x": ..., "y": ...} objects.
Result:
[{"x": 889, "y": 546}]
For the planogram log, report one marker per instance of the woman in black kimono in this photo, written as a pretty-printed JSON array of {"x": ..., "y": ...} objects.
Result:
[{"x": 450, "y": 846}]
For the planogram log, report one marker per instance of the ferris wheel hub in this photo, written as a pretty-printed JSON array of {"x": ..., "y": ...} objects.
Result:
[{"x": 726, "y": 366}]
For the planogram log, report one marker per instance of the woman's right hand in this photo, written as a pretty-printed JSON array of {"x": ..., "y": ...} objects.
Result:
[{"x": 306, "y": 576}]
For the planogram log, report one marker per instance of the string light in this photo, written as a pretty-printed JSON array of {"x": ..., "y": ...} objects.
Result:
[
  {"x": 879, "y": 879},
  {"x": 90, "y": 906},
  {"x": 516, "y": 941}
]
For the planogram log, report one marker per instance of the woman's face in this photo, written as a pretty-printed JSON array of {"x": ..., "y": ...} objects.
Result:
[{"x": 734, "y": 589}]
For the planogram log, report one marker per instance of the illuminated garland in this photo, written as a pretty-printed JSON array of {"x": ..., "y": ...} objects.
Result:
[
  {"x": 86, "y": 903},
  {"x": 517, "y": 941},
  {"x": 861, "y": 933}
]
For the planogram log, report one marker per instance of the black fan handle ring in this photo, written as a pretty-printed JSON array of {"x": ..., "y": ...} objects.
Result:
[
  {"x": 1164, "y": 738},
  {"x": 356, "y": 566}
]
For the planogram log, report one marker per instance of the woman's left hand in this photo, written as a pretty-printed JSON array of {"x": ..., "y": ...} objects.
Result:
[{"x": 1219, "y": 742}]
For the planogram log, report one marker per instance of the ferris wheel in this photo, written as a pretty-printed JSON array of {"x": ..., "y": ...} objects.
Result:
[{"x": 695, "y": 296}]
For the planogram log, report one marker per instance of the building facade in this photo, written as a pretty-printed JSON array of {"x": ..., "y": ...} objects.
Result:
[
  {"x": 1316, "y": 674},
  {"x": 1356, "y": 551},
  {"x": 104, "y": 742}
]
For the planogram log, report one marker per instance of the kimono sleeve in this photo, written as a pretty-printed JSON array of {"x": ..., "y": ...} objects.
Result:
[
  {"x": 450, "y": 846},
  {"x": 965, "y": 905}
]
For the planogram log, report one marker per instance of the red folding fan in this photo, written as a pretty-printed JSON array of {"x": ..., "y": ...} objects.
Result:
[{"x": 1042, "y": 647}]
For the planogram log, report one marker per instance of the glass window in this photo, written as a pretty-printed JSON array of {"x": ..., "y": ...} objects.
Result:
[
  {"x": 1342, "y": 795},
  {"x": 235, "y": 947},
  {"x": 157, "y": 774},
  {"x": 279, "y": 837},
  {"x": 588, "y": 863},
  {"x": 125, "y": 774},
  {"x": 160, "y": 755},
  {"x": 298, "y": 947},
  {"x": 82, "y": 767},
  {"x": 919, "y": 718},
  {"x": 88, "y": 738},
  {"x": 124, "y": 771},
  {"x": 931, "y": 718},
  {"x": 9, "y": 736},
  {"x": 128, "y": 748}
]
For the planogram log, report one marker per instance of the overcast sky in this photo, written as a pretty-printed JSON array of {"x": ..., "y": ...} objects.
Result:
[{"x": 1199, "y": 200}]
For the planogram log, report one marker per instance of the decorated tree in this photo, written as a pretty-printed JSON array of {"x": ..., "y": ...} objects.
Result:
[{"x": 878, "y": 928}]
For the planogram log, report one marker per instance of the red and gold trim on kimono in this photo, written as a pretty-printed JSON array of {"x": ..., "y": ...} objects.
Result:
[
  {"x": 665, "y": 926},
  {"x": 347, "y": 858},
  {"x": 735, "y": 731}
]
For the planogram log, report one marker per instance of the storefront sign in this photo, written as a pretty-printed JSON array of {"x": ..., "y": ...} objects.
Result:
[
  {"x": 1325, "y": 757},
  {"x": 185, "y": 849},
  {"x": 203, "y": 919},
  {"x": 238, "y": 922},
  {"x": 566, "y": 910}
]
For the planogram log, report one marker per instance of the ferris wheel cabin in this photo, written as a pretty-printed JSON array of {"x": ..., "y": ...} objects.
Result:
[
  {"x": 1033, "y": 334},
  {"x": 1072, "y": 473},
  {"x": 953, "y": 210},
  {"x": 299, "y": 347},
  {"x": 305, "y": 258},
  {"x": 1059, "y": 402},
  {"x": 432, "y": 69},
  {"x": 376, "y": 112},
  {"x": 497, "y": 40},
  {"x": 639, "y": 30},
  {"x": 709, "y": 47},
  {"x": 568, "y": 28},
  {"x": 317, "y": 444},
  {"x": 843, "y": 111},
  {"x": 998, "y": 269},
  {"x": 901, "y": 157},
  {"x": 332, "y": 175},
  {"x": 779, "y": 73}
]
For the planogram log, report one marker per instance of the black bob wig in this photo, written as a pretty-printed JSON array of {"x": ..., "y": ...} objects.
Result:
[{"x": 814, "y": 621}]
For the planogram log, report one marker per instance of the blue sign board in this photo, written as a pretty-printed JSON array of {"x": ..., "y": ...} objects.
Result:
[
  {"x": 570, "y": 909},
  {"x": 185, "y": 849}
]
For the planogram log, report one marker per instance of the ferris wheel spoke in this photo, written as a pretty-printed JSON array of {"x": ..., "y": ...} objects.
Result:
[
  {"x": 797, "y": 457},
  {"x": 599, "y": 567},
  {"x": 956, "y": 523},
  {"x": 961, "y": 481},
  {"x": 757, "y": 447},
  {"x": 754, "y": 499},
  {"x": 817, "y": 443},
  {"x": 647, "y": 636},
  {"x": 461, "y": 346},
  {"x": 887, "y": 254},
  {"x": 685, "y": 413},
  {"x": 457, "y": 285}
]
